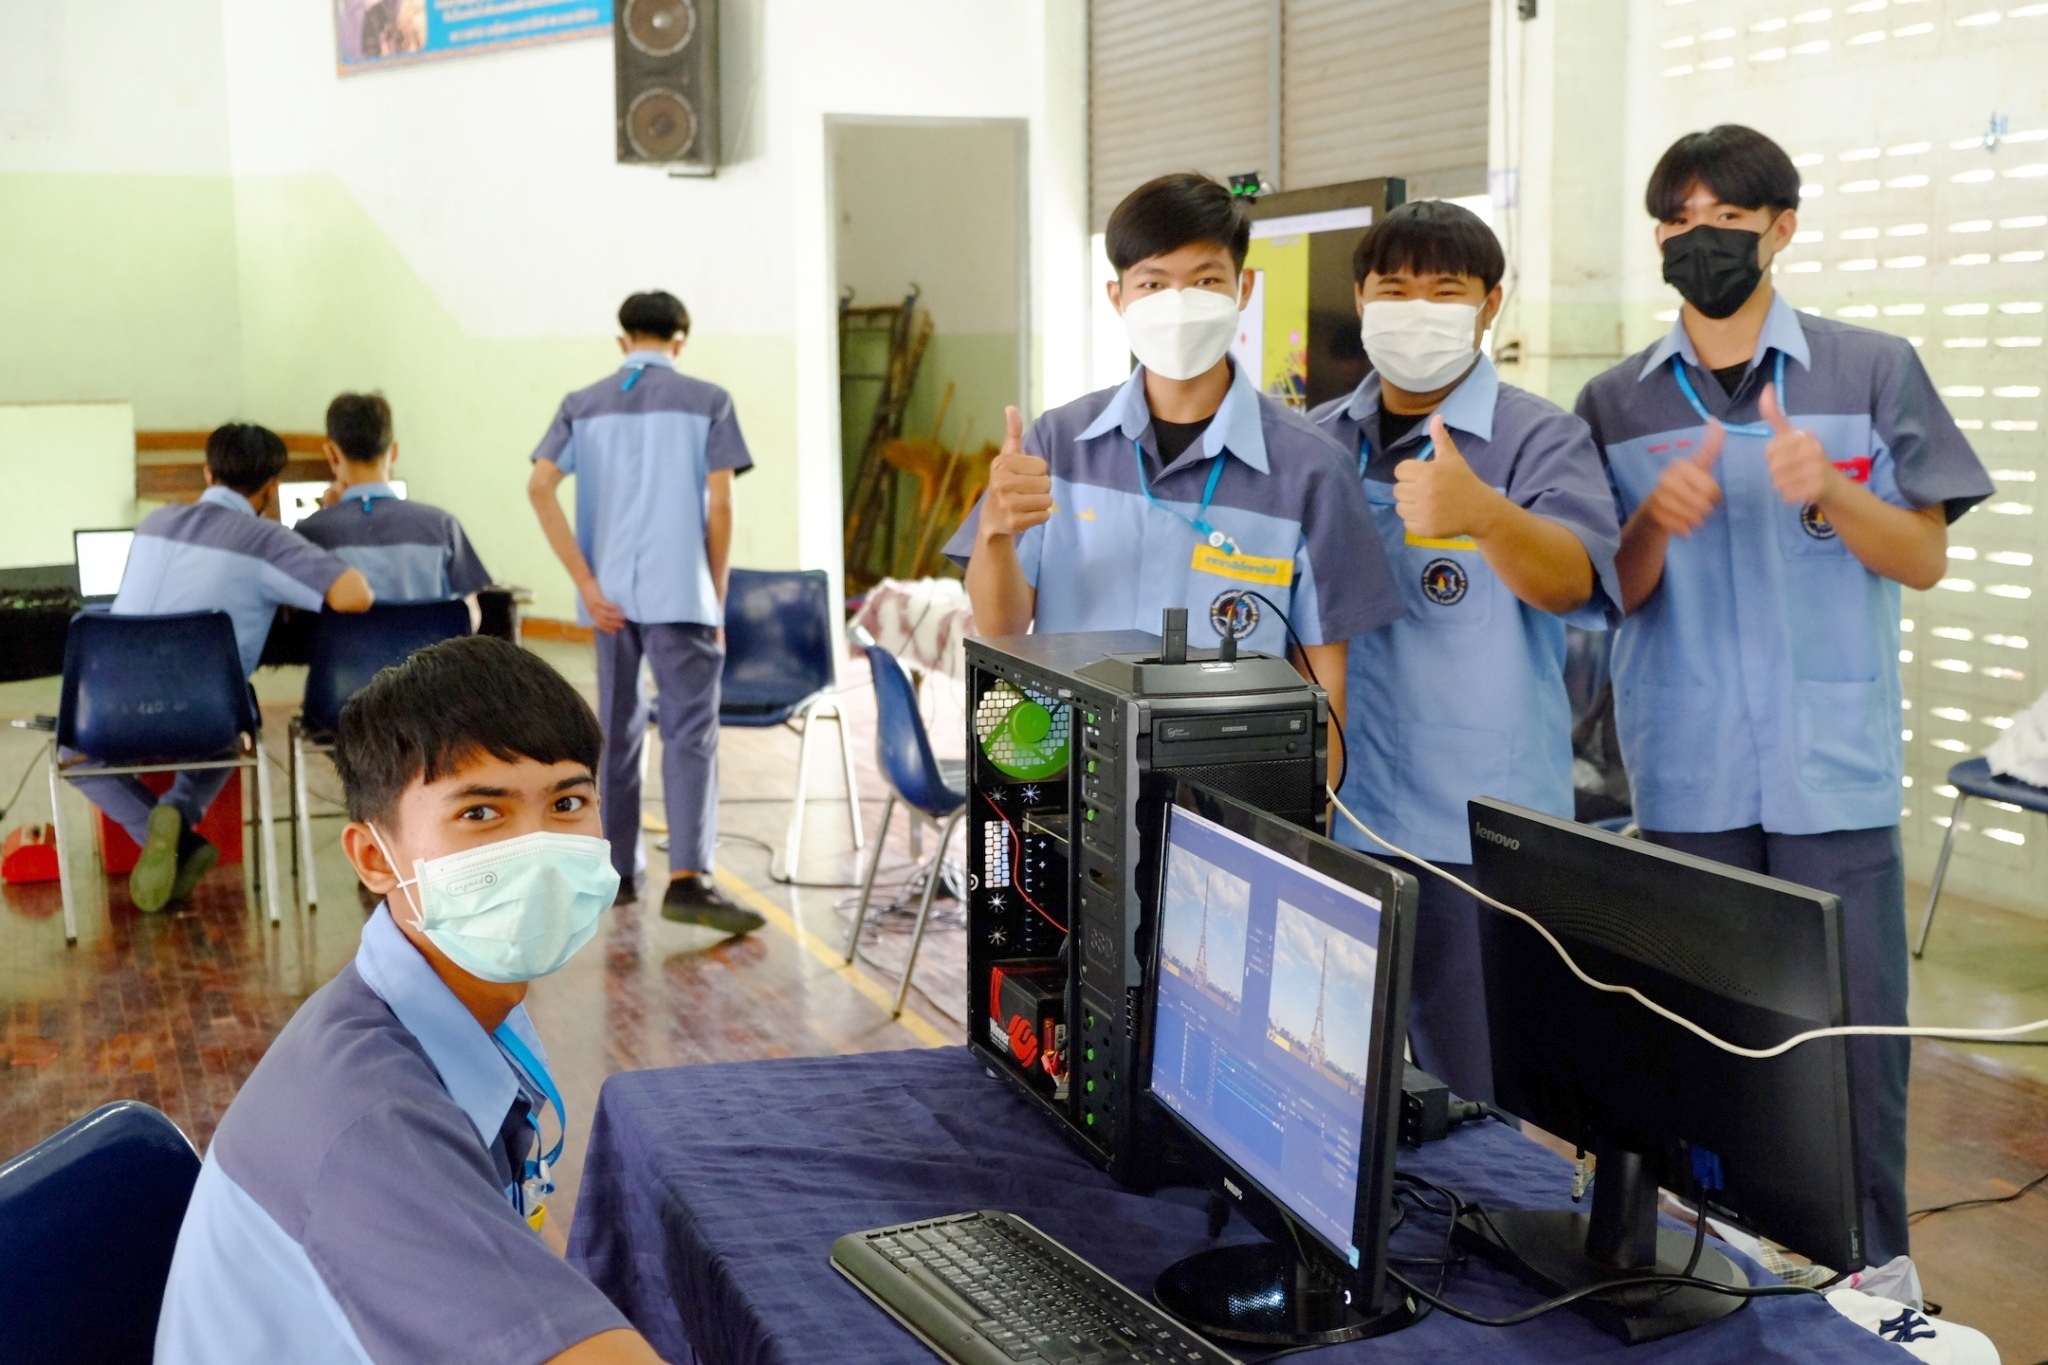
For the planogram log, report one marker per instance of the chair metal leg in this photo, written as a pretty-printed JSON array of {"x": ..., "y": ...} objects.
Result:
[
  {"x": 852, "y": 783},
  {"x": 63, "y": 858},
  {"x": 302, "y": 822},
  {"x": 268, "y": 841},
  {"x": 867, "y": 886},
  {"x": 924, "y": 909},
  {"x": 1948, "y": 843},
  {"x": 792, "y": 848}
]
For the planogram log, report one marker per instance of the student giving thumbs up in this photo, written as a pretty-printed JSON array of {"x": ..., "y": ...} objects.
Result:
[
  {"x": 1687, "y": 492},
  {"x": 1019, "y": 485},
  {"x": 1441, "y": 496}
]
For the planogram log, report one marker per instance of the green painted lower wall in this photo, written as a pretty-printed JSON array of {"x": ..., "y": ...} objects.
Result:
[{"x": 200, "y": 300}]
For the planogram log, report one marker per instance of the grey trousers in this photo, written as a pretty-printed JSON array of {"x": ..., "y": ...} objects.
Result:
[
  {"x": 1867, "y": 869},
  {"x": 128, "y": 803},
  {"x": 1447, "y": 1028},
  {"x": 686, "y": 661}
]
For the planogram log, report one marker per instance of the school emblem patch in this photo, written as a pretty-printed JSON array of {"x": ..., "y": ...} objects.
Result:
[
  {"x": 1234, "y": 613},
  {"x": 1815, "y": 522},
  {"x": 1444, "y": 582}
]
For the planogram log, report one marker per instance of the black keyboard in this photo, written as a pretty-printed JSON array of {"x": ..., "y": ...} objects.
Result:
[{"x": 989, "y": 1289}]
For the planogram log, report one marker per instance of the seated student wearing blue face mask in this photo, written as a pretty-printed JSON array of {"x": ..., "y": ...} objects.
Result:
[
  {"x": 1779, "y": 476},
  {"x": 1184, "y": 486},
  {"x": 376, "y": 1190},
  {"x": 410, "y": 551},
  {"x": 1493, "y": 507}
]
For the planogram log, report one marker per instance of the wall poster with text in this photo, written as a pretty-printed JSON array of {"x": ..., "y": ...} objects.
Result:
[{"x": 372, "y": 34}]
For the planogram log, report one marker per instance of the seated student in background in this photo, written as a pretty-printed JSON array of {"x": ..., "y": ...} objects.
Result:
[
  {"x": 217, "y": 554},
  {"x": 1779, "y": 476},
  {"x": 376, "y": 1190},
  {"x": 1184, "y": 486},
  {"x": 1493, "y": 506},
  {"x": 408, "y": 550}
]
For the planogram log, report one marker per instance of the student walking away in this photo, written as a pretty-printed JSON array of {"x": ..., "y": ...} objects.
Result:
[
  {"x": 377, "y": 1190},
  {"x": 1778, "y": 475},
  {"x": 1494, "y": 510},
  {"x": 1184, "y": 486},
  {"x": 216, "y": 554},
  {"x": 654, "y": 454},
  {"x": 408, "y": 550}
]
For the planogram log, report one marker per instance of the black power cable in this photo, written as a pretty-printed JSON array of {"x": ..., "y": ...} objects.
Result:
[
  {"x": 1343, "y": 749},
  {"x": 2032, "y": 1185}
]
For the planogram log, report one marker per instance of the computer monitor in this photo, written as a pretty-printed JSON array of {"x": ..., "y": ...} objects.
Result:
[
  {"x": 300, "y": 498},
  {"x": 102, "y": 557},
  {"x": 1279, "y": 994},
  {"x": 1767, "y": 1145}
]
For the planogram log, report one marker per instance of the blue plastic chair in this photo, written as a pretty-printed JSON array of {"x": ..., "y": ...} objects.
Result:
[
  {"x": 349, "y": 649},
  {"x": 779, "y": 671},
  {"x": 934, "y": 792},
  {"x": 157, "y": 694},
  {"x": 1973, "y": 777},
  {"x": 91, "y": 1217}
]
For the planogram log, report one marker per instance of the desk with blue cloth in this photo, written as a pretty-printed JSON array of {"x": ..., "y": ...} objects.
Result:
[{"x": 712, "y": 1194}]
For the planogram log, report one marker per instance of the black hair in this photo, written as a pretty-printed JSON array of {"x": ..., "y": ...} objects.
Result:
[
  {"x": 1172, "y": 212},
  {"x": 420, "y": 720},
  {"x": 1430, "y": 237},
  {"x": 359, "y": 424},
  {"x": 1740, "y": 165},
  {"x": 657, "y": 313},
  {"x": 244, "y": 456}
]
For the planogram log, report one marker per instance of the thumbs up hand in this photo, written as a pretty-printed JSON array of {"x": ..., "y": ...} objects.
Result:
[
  {"x": 1019, "y": 485},
  {"x": 1441, "y": 497},
  {"x": 1799, "y": 465},
  {"x": 1687, "y": 492}
]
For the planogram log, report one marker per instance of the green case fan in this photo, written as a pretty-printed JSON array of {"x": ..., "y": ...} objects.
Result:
[{"x": 1022, "y": 733}]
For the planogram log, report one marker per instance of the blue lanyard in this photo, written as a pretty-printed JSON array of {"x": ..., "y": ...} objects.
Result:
[
  {"x": 1200, "y": 520},
  {"x": 367, "y": 499},
  {"x": 634, "y": 377},
  {"x": 1428, "y": 451},
  {"x": 1732, "y": 428},
  {"x": 523, "y": 1057}
]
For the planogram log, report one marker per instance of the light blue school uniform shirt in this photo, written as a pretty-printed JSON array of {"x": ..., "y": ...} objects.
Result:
[
  {"x": 641, "y": 445},
  {"x": 409, "y": 551},
  {"x": 1121, "y": 546},
  {"x": 216, "y": 554},
  {"x": 1759, "y": 684},
  {"x": 358, "y": 1201},
  {"x": 1464, "y": 695}
]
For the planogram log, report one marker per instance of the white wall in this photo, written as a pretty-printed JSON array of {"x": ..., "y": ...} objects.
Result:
[{"x": 65, "y": 466}]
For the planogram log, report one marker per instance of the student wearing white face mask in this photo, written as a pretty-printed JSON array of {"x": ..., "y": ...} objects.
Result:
[
  {"x": 1184, "y": 486},
  {"x": 1494, "y": 509}
]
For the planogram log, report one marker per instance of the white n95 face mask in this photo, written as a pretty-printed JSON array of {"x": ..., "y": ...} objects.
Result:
[
  {"x": 514, "y": 910},
  {"x": 1181, "y": 333},
  {"x": 1421, "y": 346}
]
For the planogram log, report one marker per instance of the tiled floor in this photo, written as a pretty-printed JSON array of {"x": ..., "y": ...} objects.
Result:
[{"x": 175, "y": 1009}]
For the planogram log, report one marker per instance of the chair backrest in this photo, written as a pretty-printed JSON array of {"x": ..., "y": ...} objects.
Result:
[
  {"x": 90, "y": 1219},
  {"x": 902, "y": 748},
  {"x": 144, "y": 688},
  {"x": 778, "y": 638},
  {"x": 349, "y": 648}
]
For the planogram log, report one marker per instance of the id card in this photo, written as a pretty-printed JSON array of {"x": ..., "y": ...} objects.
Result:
[{"x": 1277, "y": 573}]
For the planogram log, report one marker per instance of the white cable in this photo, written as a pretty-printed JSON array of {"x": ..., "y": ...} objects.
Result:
[{"x": 1758, "y": 1053}]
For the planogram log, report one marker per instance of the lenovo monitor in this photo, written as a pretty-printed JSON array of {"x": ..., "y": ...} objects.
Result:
[{"x": 102, "y": 557}]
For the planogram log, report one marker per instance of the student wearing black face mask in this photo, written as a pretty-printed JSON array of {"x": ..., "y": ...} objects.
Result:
[{"x": 1778, "y": 476}]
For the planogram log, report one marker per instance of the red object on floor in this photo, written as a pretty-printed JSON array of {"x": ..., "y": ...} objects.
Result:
[
  {"x": 222, "y": 826},
  {"x": 29, "y": 854}
]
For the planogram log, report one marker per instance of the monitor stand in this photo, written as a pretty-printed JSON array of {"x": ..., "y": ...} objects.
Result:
[
  {"x": 1264, "y": 1293},
  {"x": 1561, "y": 1250}
]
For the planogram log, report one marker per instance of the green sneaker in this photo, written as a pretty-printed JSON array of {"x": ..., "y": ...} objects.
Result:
[
  {"x": 156, "y": 871},
  {"x": 196, "y": 858}
]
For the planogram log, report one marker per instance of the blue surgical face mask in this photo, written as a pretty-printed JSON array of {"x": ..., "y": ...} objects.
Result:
[{"x": 514, "y": 910}]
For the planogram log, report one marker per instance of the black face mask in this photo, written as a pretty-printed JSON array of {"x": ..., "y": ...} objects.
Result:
[{"x": 1715, "y": 268}]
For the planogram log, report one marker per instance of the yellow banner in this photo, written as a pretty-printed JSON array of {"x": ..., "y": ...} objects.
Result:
[{"x": 1243, "y": 567}]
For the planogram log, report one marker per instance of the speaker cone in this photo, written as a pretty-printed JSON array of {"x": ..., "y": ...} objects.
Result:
[
  {"x": 661, "y": 125},
  {"x": 660, "y": 28}
]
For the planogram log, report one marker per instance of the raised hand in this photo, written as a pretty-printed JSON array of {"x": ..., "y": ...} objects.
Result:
[
  {"x": 1687, "y": 492},
  {"x": 1442, "y": 497},
  {"x": 1019, "y": 485},
  {"x": 1799, "y": 465}
]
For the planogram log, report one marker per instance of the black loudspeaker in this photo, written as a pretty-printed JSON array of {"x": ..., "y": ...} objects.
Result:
[{"x": 666, "y": 91}]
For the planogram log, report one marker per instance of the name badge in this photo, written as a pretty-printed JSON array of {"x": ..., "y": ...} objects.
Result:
[
  {"x": 1245, "y": 568},
  {"x": 1442, "y": 543}
]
